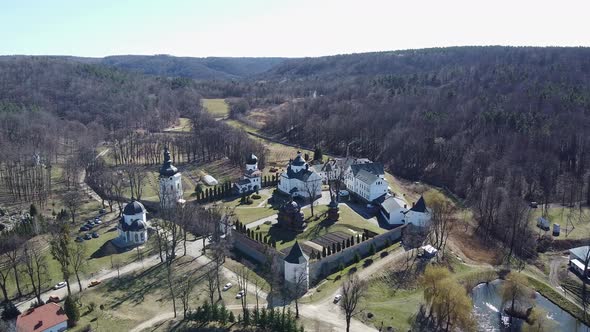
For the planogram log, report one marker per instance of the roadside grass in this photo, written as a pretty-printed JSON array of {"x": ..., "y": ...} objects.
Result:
[
  {"x": 255, "y": 276},
  {"x": 565, "y": 217},
  {"x": 390, "y": 307},
  {"x": 217, "y": 107},
  {"x": 137, "y": 297}
]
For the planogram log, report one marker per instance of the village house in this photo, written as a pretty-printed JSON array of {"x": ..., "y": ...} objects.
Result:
[
  {"x": 396, "y": 212},
  {"x": 300, "y": 180},
  {"x": 49, "y": 317},
  {"x": 251, "y": 181}
]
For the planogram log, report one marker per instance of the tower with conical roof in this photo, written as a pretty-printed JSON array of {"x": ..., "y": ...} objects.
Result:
[
  {"x": 297, "y": 268},
  {"x": 170, "y": 183}
]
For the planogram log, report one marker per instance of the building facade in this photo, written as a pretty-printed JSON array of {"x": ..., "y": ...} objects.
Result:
[
  {"x": 396, "y": 212},
  {"x": 300, "y": 180},
  {"x": 366, "y": 180},
  {"x": 251, "y": 181},
  {"x": 132, "y": 226},
  {"x": 297, "y": 268}
]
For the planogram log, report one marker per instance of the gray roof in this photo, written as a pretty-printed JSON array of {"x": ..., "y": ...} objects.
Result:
[
  {"x": 252, "y": 159},
  {"x": 136, "y": 225},
  {"x": 242, "y": 182},
  {"x": 366, "y": 177},
  {"x": 420, "y": 205},
  {"x": 298, "y": 161},
  {"x": 296, "y": 255},
  {"x": 302, "y": 175},
  {"x": 373, "y": 168},
  {"x": 581, "y": 252},
  {"x": 391, "y": 204},
  {"x": 134, "y": 207}
]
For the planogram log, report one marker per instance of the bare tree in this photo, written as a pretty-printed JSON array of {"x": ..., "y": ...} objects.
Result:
[
  {"x": 298, "y": 288},
  {"x": 35, "y": 267},
  {"x": 243, "y": 281},
  {"x": 78, "y": 260},
  {"x": 61, "y": 250},
  {"x": 73, "y": 201},
  {"x": 5, "y": 270},
  {"x": 311, "y": 188},
  {"x": 211, "y": 278},
  {"x": 186, "y": 288},
  {"x": 169, "y": 278},
  {"x": 136, "y": 178},
  {"x": 11, "y": 245},
  {"x": 442, "y": 221},
  {"x": 353, "y": 290}
]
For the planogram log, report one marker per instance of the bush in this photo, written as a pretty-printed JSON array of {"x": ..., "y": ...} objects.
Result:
[
  {"x": 10, "y": 311},
  {"x": 256, "y": 196},
  {"x": 367, "y": 262},
  {"x": 384, "y": 254},
  {"x": 72, "y": 310}
]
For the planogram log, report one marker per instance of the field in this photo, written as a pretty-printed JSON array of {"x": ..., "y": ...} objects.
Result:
[
  {"x": 565, "y": 217},
  {"x": 217, "y": 107},
  {"x": 135, "y": 298},
  {"x": 350, "y": 223}
]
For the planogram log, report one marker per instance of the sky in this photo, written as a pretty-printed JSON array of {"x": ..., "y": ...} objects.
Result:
[{"x": 284, "y": 28}]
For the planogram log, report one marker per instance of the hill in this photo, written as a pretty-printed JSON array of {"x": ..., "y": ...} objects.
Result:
[{"x": 211, "y": 68}]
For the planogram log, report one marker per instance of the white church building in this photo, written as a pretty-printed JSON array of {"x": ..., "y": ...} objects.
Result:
[
  {"x": 132, "y": 226},
  {"x": 170, "y": 183},
  {"x": 299, "y": 179},
  {"x": 252, "y": 178}
]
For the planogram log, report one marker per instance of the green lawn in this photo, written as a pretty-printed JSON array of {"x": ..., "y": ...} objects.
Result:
[
  {"x": 217, "y": 107},
  {"x": 393, "y": 308},
  {"x": 350, "y": 223},
  {"x": 561, "y": 216}
]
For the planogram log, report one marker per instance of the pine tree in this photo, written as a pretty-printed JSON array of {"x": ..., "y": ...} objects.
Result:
[
  {"x": 323, "y": 251},
  {"x": 71, "y": 309},
  {"x": 231, "y": 317},
  {"x": 318, "y": 154}
]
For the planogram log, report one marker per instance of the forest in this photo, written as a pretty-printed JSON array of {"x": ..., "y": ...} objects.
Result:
[{"x": 497, "y": 126}]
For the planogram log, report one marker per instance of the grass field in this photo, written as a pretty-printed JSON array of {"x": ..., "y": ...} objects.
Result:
[
  {"x": 561, "y": 216},
  {"x": 217, "y": 107},
  {"x": 132, "y": 299}
]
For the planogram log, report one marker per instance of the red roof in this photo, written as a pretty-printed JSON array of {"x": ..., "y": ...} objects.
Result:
[{"x": 40, "y": 318}]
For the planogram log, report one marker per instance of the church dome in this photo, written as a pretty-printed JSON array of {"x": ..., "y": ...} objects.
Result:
[
  {"x": 133, "y": 208},
  {"x": 167, "y": 168},
  {"x": 252, "y": 159},
  {"x": 298, "y": 161}
]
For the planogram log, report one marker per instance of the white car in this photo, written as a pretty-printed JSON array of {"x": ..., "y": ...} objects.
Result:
[
  {"x": 227, "y": 286},
  {"x": 59, "y": 285},
  {"x": 98, "y": 222},
  {"x": 337, "y": 298},
  {"x": 240, "y": 294}
]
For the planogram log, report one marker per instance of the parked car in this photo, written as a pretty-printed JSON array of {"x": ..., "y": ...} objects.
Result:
[
  {"x": 59, "y": 285},
  {"x": 337, "y": 298},
  {"x": 53, "y": 298},
  {"x": 240, "y": 294},
  {"x": 90, "y": 222},
  {"x": 97, "y": 222},
  {"x": 83, "y": 228},
  {"x": 94, "y": 283},
  {"x": 95, "y": 235},
  {"x": 89, "y": 226},
  {"x": 102, "y": 211},
  {"x": 227, "y": 286},
  {"x": 88, "y": 236},
  {"x": 79, "y": 239}
]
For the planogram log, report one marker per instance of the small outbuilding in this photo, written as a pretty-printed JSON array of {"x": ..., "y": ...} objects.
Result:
[
  {"x": 209, "y": 180},
  {"x": 578, "y": 258}
]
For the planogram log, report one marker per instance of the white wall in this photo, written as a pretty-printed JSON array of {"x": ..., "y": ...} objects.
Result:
[
  {"x": 417, "y": 218},
  {"x": 294, "y": 271},
  {"x": 58, "y": 328},
  {"x": 171, "y": 189}
]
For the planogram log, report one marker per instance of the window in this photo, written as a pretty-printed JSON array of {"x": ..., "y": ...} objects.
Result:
[
  {"x": 142, "y": 237},
  {"x": 136, "y": 238}
]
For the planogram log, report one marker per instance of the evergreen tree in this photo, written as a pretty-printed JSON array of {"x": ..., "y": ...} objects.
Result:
[
  {"x": 373, "y": 249},
  {"x": 323, "y": 251},
  {"x": 33, "y": 210},
  {"x": 318, "y": 154},
  {"x": 10, "y": 311},
  {"x": 231, "y": 318},
  {"x": 71, "y": 309}
]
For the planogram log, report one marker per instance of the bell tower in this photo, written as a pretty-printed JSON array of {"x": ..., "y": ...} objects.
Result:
[{"x": 170, "y": 183}]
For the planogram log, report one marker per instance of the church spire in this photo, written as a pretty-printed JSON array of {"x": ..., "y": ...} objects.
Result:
[{"x": 167, "y": 168}]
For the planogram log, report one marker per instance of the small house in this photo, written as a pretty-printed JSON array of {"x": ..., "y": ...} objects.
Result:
[
  {"x": 578, "y": 258},
  {"x": 543, "y": 223}
]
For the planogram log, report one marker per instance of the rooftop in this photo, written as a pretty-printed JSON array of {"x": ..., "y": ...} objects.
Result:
[{"x": 41, "y": 318}]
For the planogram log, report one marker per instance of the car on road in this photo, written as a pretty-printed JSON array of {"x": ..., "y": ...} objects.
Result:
[
  {"x": 59, "y": 285},
  {"x": 227, "y": 286},
  {"x": 89, "y": 226},
  {"x": 94, "y": 283},
  {"x": 240, "y": 294},
  {"x": 83, "y": 228},
  {"x": 79, "y": 239},
  {"x": 88, "y": 236},
  {"x": 337, "y": 298},
  {"x": 97, "y": 222},
  {"x": 95, "y": 235}
]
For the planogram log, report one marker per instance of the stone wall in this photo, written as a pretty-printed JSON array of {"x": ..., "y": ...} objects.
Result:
[
  {"x": 328, "y": 265},
  {"x": 256, "y": 251}
]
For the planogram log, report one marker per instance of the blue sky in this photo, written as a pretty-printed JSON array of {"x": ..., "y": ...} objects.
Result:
[{"x": 283, "y": 28}]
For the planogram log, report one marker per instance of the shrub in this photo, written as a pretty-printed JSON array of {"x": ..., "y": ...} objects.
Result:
[
  {"x": 367, "y": 262},
  {"x": 357, "y": 257},
  {"x": 10, "y": 311},
  {"x": 72, "y": 310},
  {"x": 384, "y": 254},
  {"x": 256, "y": 196}
]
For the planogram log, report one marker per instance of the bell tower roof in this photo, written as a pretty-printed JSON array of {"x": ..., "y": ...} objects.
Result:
[{"x": 167, "y": 168}]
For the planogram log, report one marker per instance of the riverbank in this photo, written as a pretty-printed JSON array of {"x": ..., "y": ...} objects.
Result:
[{"x": 560, "y": 301}]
